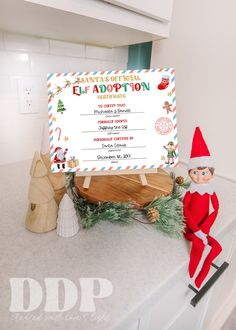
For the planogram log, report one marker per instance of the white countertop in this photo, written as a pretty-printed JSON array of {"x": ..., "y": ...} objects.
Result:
[{"x": 137, "y": 259}]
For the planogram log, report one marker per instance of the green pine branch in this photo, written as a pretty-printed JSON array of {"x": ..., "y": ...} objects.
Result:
[{"x": 170, "y": 209}]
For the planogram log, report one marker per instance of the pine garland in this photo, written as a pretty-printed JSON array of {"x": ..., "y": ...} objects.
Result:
[
  {"x": 171, "y": 215},
  {"x": 91, "y": 214},
  {"x": 170, "y": 208},
  {"x": 178, "y": 188},
  {"x": 120, "y": 213},
  {"x": 167, "y": 209}
]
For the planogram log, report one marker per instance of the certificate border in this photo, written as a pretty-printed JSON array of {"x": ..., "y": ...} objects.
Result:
[{"x": 53, "y": 90}]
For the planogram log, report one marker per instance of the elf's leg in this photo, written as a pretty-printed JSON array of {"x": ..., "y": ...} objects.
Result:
[
  {"x": 168, "y": 161},
  {"x": 196, "y": 252},
  {"x": 215, "y": 251}
]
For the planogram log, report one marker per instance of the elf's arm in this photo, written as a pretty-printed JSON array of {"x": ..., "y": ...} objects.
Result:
[
  {"x": 206, "y": 226},
  {"x": 187, "y": 214}
]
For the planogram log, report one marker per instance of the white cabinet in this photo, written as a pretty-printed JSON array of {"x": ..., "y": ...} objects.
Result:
[
  {"x": 171, "y": 309},
  {"x": 223, "y": 296},
  {"x": 94, "y": 22},
  {"x": 157, "y": 9},
  {"x": 189, "y": 319}
]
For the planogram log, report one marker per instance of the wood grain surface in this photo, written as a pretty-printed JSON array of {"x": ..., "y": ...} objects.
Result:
[{"x": 124, "y": 188}]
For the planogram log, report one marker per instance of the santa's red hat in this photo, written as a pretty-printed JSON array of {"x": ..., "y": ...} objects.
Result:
[
  {"x": 200, "y": 155},
  {"x": 57, "y": 148}
]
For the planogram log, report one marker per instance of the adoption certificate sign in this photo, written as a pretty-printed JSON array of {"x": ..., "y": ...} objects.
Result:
[{"x": 112, "y": 120}]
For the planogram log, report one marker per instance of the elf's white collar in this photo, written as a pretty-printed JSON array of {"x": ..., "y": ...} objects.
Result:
[{"x": 201, "y": 188}]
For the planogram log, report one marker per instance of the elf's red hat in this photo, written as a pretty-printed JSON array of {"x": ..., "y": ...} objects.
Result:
[{"x": 200, "y": 155}]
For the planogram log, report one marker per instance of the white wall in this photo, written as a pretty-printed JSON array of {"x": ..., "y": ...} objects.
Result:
[
  {"x": 25, "y": 57},
  {"x": 202, "y": 49}
]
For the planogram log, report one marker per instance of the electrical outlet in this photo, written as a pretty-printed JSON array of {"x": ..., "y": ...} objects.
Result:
[
  {"x": 28, "y": 95},
  {"x": 28, "y": 91},
  {"x": 29, "y": 103}
]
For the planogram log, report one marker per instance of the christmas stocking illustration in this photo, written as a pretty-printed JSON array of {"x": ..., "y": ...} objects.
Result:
[
  {"x": 196, "y": 203},
  {"x": 164, "y": 82}
]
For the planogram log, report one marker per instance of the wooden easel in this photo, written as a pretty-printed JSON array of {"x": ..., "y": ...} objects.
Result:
[
  {"x": 140, "y": 186},
  {"x": 140, "y": 173}
]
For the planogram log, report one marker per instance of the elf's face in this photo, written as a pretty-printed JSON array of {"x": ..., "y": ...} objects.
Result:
[
  {"x": 200, "y": 176},
  {"x": 170, "y": 147}
]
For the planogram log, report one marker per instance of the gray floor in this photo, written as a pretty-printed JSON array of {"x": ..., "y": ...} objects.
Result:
[{"x": 230, "y": 324}]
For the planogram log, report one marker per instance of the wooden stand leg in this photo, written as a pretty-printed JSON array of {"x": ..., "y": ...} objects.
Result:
[
  {"x": 143, "y": 179},
  {"x": 86, "y": 183}
]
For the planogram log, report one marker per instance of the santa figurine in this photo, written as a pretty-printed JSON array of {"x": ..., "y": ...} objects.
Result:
[
  {"x": 60, "y": 157},
  {"x": 196, "y": 204}
]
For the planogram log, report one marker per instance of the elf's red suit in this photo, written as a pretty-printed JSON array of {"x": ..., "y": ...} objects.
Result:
[
  {"x": 196, "y": 206},
  {"x": 197, "y": 217}
]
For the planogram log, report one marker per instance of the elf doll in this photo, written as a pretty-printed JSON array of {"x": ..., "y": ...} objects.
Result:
[{"x": 196, "y": 203}]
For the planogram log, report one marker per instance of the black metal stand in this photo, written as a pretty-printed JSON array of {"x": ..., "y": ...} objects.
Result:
[{"x": 200, "y": 293}]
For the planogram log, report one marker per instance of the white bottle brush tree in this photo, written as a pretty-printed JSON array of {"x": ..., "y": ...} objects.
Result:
[{"x": 67, "y": 221}]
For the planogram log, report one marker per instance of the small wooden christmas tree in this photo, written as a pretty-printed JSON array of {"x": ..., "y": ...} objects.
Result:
[
  {"x": 67, "y": 222},
  {"x": 42, "y": 212}
]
